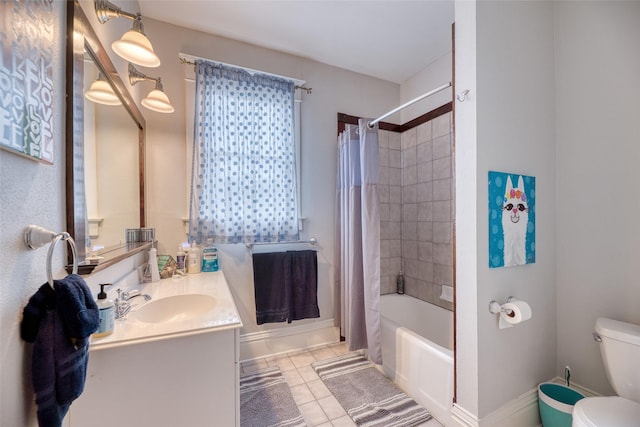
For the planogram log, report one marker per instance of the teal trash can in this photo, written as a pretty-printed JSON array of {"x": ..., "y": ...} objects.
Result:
[{"x": 556, "y": 402}]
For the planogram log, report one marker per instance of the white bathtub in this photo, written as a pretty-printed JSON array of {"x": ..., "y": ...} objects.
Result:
[{"x": 417, "y": 351}]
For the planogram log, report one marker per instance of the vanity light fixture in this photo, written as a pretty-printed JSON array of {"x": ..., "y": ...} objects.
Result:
[
  {"x": 156, "y": 100},
  {"x": 133, "y": 46},
  {"x": 101, "y": 92}
]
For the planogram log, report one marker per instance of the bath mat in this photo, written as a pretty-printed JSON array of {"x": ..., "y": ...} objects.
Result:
[
  {"x": 370, "y": 398},
  {"x": 266, "y": 401}
]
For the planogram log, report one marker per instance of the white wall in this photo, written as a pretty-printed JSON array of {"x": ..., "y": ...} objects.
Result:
[
  {"x": 598, "y": 150},
  {"x": 513, "y": 99},
  {"x": 516, "y": 126},
  {"x": 466, "y": 185},
  {"x": 30, "y": 193},
  {"x": 436, "y": 74},
  {"x": 334, "y": 90}
]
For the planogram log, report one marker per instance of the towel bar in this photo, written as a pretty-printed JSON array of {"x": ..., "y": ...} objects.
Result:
[
  {"x": 312, "y": 241},
  {"x": 36, "y": 236}
]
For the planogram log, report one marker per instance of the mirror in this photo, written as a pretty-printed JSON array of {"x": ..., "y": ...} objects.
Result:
[
  {"x": 111, "y": 161},
  {"x": 104, "y": 152}
]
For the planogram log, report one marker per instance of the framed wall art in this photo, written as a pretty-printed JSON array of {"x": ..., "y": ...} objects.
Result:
[
  {"x": 28, "y": 34},
  {"x": 512, "y": 219}
]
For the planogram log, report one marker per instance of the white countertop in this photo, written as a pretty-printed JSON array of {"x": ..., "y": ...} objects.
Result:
[{"x": 222, "y": 317}]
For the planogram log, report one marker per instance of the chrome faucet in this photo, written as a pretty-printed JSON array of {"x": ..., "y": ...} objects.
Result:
[{"x": 122, "y": 305}]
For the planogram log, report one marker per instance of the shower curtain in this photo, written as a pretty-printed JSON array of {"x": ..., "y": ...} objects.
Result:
[{"x": 358, "y": 238}]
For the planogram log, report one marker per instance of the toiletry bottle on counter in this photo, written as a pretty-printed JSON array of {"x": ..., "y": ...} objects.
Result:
[
  {"x": 400, "y": 283},
  {"x": 153, "y": 264},
  {"x": 210, "y": 257},
  {"x": 106, "y": 313},
  {"x": 194, "y": 261},
  {"x": 152, "y": 272},
  {"x": 181, "y": 260}
]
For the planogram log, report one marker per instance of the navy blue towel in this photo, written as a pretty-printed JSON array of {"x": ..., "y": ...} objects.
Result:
[
  {"x": 303, "y": 274},
  {"x": 35, "y": 310},
  {"x": 285, "y": 286},
  {"x": 271, "y": 292},
  {"x": 78, "y": 310},
  {"x": 59, "y": 324}
]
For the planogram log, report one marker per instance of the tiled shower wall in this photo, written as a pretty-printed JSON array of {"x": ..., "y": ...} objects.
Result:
[{"x": 417, "y": 208}]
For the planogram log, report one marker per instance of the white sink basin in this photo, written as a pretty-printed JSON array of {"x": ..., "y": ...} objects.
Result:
[{"x": 175, "y": 308}]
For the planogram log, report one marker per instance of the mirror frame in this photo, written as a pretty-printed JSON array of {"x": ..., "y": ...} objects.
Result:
[{"x": 82, "y": 38}]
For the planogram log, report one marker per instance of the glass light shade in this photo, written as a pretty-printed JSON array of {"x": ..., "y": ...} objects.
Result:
[
  {"x": 101, "y": 92},
  {"x": 158, "y": 101},
  {"x": 135, "y": 47}
]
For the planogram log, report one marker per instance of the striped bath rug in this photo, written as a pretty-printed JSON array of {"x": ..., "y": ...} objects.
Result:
[
  {"x": 266, "y": 401},
  {"x": 369, "y": 397}
]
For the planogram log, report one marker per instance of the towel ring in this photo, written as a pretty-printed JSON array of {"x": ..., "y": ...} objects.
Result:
[
  {"x": 37, "y": 236},
  {"x": 66, "y": 237}
]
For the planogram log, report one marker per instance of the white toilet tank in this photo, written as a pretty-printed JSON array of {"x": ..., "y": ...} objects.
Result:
[{"x": 620, "y": 349}]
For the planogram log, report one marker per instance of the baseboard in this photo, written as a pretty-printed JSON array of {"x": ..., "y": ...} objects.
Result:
[
  {"x": 287, "y": 339},
  {"x": 463, "y": 417},
  {"x": 521, "y": 412},
  {"x": 587, "y": 392}
]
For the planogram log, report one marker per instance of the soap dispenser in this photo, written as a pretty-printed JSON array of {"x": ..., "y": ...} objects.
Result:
[{"x": 106, "y": 313}]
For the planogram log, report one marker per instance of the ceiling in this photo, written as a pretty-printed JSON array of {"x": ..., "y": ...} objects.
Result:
[{"x": 391, "y": 39}]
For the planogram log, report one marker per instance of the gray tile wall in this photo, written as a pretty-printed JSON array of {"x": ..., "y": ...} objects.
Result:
[{"x": 417, "y": 209}]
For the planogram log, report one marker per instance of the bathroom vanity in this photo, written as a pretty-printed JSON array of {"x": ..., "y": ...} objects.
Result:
[{"x": 172, "y": 362}]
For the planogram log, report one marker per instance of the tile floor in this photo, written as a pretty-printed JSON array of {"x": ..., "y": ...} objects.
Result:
[{"x": 317, "y": 405}]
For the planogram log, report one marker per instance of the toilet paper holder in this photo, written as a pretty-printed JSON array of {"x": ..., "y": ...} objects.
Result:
[
  {"x": 511, "y": 313},
  {"x": 496, "y": 308}
]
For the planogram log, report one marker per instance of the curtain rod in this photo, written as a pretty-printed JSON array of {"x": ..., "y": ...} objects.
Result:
[
  {"x": 406, "y": 104},
  {"x": 191, "y": 60}
]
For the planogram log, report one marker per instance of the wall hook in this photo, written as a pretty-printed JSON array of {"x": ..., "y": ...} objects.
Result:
[{"x": 463, "y": 96}]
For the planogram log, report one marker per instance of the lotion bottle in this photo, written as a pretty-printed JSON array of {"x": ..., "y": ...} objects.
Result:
[
  {"x": 194, "y": 259},
  {"x": 107, "y": 313}
]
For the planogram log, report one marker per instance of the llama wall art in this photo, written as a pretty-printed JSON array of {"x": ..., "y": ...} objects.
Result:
[{"x": 512, "y": 237}]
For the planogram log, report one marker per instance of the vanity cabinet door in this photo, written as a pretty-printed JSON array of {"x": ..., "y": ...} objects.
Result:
[{"x": 186, "y": 381}]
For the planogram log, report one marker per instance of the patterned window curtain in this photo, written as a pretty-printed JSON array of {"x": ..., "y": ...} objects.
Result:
[{"x": 243, "y": 187}]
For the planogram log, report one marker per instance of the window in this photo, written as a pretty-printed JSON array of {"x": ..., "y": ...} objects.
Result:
[{"x": 244, "y": 171}]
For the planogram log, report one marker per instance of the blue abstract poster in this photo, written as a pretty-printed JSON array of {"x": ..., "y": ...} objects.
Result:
[{"x": 512, "y": 219}]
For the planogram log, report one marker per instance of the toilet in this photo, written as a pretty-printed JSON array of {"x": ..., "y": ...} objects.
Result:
[{"x": 620, "y": 350}]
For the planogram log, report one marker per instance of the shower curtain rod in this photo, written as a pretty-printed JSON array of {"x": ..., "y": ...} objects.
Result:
[{"x": 406, "y": 104}]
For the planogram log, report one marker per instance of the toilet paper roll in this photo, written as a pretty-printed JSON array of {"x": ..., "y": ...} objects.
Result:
[{"x": 514, "y": 312}]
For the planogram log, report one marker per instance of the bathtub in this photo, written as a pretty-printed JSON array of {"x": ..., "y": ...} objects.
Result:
[{"x": 417, "y": 351}]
